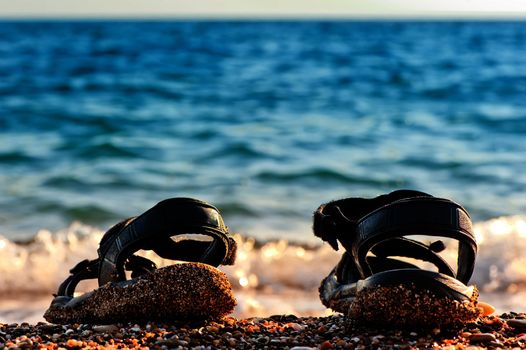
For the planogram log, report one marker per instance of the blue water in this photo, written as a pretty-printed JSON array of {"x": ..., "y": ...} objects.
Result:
[{"x": 266, "y": 120}]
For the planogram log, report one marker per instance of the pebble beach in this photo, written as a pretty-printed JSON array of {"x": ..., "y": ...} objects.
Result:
[{"x": 507, "y": 331}]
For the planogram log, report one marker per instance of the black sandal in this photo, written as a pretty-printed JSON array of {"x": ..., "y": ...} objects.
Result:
[
  {"x": 370, "y": 286},
  {"x": 191, "y": 291}
]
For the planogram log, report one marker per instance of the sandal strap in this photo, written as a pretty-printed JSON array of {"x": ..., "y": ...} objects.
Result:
[
  {"x": 416, "y": 216},
  {"x": 89, "y": 269},
  {"x": 401, "y": 246},
  {"x": 86, "y": 269},
  {"x": 330, "y": 220},
  {"x": 153, "y": 229},
  {"x": 378, "y": 225}
]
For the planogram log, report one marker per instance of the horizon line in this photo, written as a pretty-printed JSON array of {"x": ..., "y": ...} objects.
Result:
[{"x": 270, "y": 17}]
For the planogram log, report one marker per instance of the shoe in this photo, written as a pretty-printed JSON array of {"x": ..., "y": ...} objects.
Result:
[
  {"x": 195, "y": 290},
  {"x": 375, "y": 283}
]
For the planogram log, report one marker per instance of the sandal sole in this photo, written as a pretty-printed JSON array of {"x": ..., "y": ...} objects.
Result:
[
  {"x": 187, "y": 291},
  {"x": 403, "y": 298}
]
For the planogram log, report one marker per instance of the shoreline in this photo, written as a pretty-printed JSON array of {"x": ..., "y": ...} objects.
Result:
[{"x": 275, "y": 332}]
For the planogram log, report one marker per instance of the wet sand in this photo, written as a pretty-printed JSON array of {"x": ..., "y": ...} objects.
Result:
[{"x": 275, "y": 332}]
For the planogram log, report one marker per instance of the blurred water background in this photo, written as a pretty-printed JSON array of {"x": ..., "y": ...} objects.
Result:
[{"x": 100, "y": 120}]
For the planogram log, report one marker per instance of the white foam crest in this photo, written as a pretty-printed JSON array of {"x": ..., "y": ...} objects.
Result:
[
  {"x": 501, "y": 262},
  {"x": 42, "y": 264},
  {"x": 271, "y": 278},
  {"x": 280, "y": 265}
]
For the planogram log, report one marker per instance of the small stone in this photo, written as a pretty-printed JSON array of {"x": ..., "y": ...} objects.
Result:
[
  {"x": 69, "y": 332},
  {"x": 212, "y": 329},
  {"x": 520, "y": 324},
  {"x": 72, "y": 343},
  {"x": 326, "y": 345},
  {"x": 341, "y": 343},
  {"x": 482, "y": 338},
  {"x": 465, "y": 334},
  {"x": 109, "y": 328},
  {"x": 232, "y": 341},
  {"x": 302, "y": 348},
  {"x": 487, "y": 309},
  {"x": 263, "y": 340},
  {"x": 296, "y": 326}
]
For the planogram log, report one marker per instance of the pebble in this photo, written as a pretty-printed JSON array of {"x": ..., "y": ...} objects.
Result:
[
  {"x": 296, "y": 326},
  {"x": 482, "y": 337},
  {"x": 322, "y": 329},
  {"x": 490, "y": 332},
  {"x": 109, "y": 328},
  {"x": 520, "y": 324},
  {"x": 263, "y": 340},
  {"x": 326, "y": 345},
  {"x": 487, "y": 309}
]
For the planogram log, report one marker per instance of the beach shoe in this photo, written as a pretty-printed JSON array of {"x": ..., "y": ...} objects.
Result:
[
  {"x": 377, "y": 281},
  {"x": 174, "y": 229}
]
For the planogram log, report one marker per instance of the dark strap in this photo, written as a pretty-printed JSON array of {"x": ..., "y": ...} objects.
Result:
[
  {"x": 153, "y": 231},
  {"x": 417, "y": 216},
  {"x": 86, "y": 269},
  {"x": 335, "y": 217},
  {"x": 401, "y": 246},
  {"x": 378, "y": 225}
]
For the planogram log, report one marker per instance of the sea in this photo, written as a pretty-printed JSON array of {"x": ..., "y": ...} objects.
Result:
[{"x": 266, "y": 120}]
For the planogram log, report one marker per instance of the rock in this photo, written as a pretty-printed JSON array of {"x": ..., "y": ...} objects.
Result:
[
  {"x": 263, "y": 340},
  {"x": 296, "y": 326},
  {"x": 482, "y": 338},
  {"x": 326, "y": 345},
  {"x": 520, "y": 324},
  {"x": 108, "y": 328},
  {"x": 487, "y": 309}
]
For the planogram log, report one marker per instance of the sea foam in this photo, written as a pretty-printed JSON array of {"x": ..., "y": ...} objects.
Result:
[{"x": 269, "y": 277}]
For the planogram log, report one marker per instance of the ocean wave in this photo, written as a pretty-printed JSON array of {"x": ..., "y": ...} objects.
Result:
[
  {"x": 40, "y": 264},
  {"x": 269, "y": 277}
]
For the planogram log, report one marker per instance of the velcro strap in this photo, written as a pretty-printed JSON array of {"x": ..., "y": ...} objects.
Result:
[
  {"x": 378, "y": 225},
  {"x": 139, "y": 265},
  {"x": 86, "y": 269},
  {"x": 153, "y": 229},
  {"x": 417, "y": 216}
]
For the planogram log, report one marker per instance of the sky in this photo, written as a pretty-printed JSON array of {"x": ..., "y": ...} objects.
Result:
[{"x": 263, "y": 8}]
